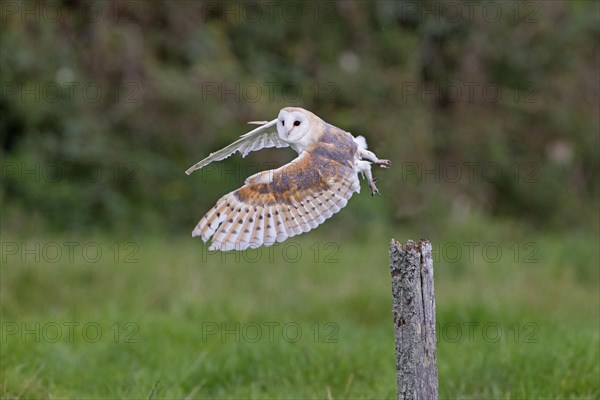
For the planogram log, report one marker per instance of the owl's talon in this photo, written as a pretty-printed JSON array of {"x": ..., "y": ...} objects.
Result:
[
  {"x": 374, "y": 189},
  {"x": 384, "y": 163}
]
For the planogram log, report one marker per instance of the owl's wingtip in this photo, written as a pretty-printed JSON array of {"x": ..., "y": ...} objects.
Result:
[{"x": 196, "y": 232}]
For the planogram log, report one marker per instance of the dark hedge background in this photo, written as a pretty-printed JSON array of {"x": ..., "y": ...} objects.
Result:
[{"x": 487, "y": 108}]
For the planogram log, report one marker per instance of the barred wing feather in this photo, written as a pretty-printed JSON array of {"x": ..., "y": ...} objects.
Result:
[{"x": 277, "y": 204}]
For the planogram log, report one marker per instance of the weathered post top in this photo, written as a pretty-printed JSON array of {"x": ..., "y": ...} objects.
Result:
[{"x": 413, "y": 306}]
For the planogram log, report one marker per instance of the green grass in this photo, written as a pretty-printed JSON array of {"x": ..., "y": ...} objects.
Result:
[{"x": 181, "y": 323}]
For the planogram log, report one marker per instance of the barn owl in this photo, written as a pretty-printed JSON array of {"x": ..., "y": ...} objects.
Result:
[{"x": 277, "y": 204}]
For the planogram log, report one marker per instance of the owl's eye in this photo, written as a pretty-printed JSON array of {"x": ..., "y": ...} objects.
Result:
[{"x": 296, "y": 123}]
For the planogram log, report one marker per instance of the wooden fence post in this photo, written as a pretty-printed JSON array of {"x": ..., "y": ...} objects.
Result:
[{"x": 413, "y": 306}]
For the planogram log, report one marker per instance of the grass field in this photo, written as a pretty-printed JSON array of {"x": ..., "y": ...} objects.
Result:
[{"x": 518, "y": 317}]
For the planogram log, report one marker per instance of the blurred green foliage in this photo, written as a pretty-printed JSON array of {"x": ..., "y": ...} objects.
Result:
[{"x": 105, "y": 104}]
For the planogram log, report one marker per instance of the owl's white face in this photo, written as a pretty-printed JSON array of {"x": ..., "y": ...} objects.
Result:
[{"x": 292, "y": 126}]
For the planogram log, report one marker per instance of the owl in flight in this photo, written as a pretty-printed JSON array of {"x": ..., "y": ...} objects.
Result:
[{"x": 277, "y": 204}]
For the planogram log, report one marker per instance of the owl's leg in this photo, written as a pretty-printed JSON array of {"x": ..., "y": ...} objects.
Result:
[
  {"x": 369, "y": 155},
  {"x": 364, "y": 167}
]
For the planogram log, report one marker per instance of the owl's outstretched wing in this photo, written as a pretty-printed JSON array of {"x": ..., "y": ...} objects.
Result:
[
  {"x": 264, "y": 136},
  {"x": 277, "y": 204}
]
